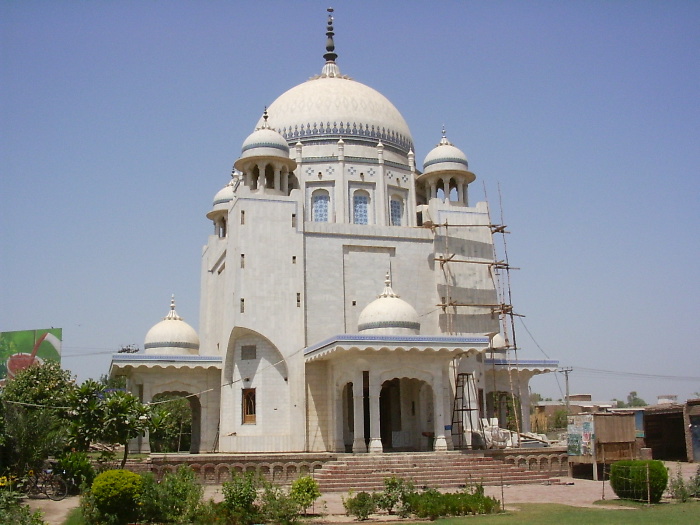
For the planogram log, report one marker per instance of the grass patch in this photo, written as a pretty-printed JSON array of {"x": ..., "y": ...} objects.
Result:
[
  {"x": 555, "y": 514},
  {"x": 75, "y": 517}
]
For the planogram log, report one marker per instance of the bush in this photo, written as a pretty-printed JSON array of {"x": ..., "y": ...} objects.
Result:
[
  {"x": 113, "y": 498},
  {"x": 211, "y": 513},
  {"x": 432, "y": 504},
  {"x": 175, "y": 499},
  {"x": 695, "y": 484},
  {"x": 360, "y": 506},
  {"x": 239, "y": 498},
  {"x": 677, "y": 486},
  {"x": 304, "y": 492},
  {"x": 628, "y": 480},
  {"x": 395, "y": 494},
  {"x": 77, "y": 470},
  {"x": 277, "y": 506},
  {"x": 12, "y": 511}
]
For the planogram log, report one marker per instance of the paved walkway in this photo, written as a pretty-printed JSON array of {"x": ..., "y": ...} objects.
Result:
[{"x": 570, "y": 491}]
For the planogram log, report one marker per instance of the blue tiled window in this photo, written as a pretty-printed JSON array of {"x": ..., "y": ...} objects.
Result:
[
  {"x": 360, "y": 205},
  {"x": 396, "y": 211},
  {"x": 319, "y": 206}
]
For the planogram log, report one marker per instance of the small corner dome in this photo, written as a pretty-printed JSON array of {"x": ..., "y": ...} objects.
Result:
[
  {"x": 225, "y": 194},
  {"x": 446, "y": 157},
  {"x": 389, "y": 315},
  {"x": 172, "y": 336},
  {"x": 265, "y": 142}
]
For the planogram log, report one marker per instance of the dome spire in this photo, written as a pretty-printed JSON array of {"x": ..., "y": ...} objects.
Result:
[
  {"x": 443, "y": 140},
  {"x": 388, "y": 292},
  {"x": 172, "y": 314},
  {"x": 330, "y": 69},
  {"x": 265, "y": 117}
]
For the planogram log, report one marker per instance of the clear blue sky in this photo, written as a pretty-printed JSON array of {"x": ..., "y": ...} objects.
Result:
[{"x": 121, "y": 120}]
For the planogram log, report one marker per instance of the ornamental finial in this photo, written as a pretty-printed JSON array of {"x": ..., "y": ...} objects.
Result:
[{"x": 330, "y": 55}]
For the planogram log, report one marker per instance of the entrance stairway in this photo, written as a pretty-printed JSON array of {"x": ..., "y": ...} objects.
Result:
[{"x": 443, "y": 470}]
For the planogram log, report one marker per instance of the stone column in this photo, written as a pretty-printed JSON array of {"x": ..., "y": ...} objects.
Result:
[
  {"x": 261, "y": 178},
  {"x": 410, "y": 205},
  {"x": 339, "y": 203},
  {"x": 445, "y": 189},
  {"x": 277, "y": 183},
  {"x": 439, "y": 410},
  {"x": 285, "y": 181},
  {"x": 375, "y": 437},
  {"x": 380, "y": 203},
  {"x": 358, "y": 442},
  {"x": 339, "y": 420},
  {"x": 524, "y": 380},
  {"x": 460, "y": 192}
]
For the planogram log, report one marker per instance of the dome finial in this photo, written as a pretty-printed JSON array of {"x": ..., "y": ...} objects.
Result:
[
  {"x": 330, "y": 56},
  {"x": 330, "y": 68},
  {"x": 172, "y": 314},
  {"x": 265, "y": 117},
  {"x": 388, "y": 292},
  {"x": 443, "y": 140}
]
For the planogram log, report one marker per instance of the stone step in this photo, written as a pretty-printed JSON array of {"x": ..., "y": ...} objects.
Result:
[{"x": 439, "y": 470}]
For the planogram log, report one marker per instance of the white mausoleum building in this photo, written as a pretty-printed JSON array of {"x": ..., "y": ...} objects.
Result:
[{"x": 349, "y": 295}]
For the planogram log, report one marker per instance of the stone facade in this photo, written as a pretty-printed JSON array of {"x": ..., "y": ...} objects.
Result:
[{"x": 325, "y": 204}]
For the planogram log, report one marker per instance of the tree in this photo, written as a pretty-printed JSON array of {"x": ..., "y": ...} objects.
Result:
[
  {"x": 87, "y": 415},
  {"x": 35, "y": 404},
  {"x": 46, "y": 385},
  {"x": 633, "y": 400},
  {"x": 172, "y": 417},
  {"x": 125, "y": 418}
]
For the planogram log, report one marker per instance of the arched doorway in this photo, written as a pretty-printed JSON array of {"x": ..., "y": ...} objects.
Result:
[
  {"x": 406, "y": 415},
  {"x": 179, "y": 429}
]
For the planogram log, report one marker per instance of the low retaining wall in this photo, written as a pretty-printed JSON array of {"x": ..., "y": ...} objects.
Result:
[
  {"x": 285, "y": 468},
  {"x": 218, "y": 468},
  {"x": 550, "y": 460}
]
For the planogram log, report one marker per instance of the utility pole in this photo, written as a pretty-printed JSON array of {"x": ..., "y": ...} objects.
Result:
[{"x": 566, "y": 372}]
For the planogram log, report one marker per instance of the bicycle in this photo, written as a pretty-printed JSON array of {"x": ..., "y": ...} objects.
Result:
[{"x": 46, "y": 482}]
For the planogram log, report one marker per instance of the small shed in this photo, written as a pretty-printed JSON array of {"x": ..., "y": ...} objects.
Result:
[
  {"x": 672, "y": 430},
  {"x": 601, "y": 438}
]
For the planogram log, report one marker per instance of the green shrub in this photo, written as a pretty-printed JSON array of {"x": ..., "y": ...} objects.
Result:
[
  {"x": 629, "y": 480},
  {"x": 113, "y": 498},
  {"x": 694, "y": 484},
  {"x": 77, "y": 470},
  {"x": 212, "y": 513},
  {"x": 12, "y": 511},
  {"x": 239, "y": 498},
  {"x": 277, "y": 506},
  {"x": 304, "y": 492},
  {"x": 175, "y": 499},
  {"x": 395, "y": 493},
  {"x": 432, "y": 504},
  {"x": 677, "y": 486},
  {"x": 360, "y": 506}
]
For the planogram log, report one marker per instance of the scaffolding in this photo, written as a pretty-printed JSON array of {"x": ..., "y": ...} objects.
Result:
[{"x": 502, "y": 308}]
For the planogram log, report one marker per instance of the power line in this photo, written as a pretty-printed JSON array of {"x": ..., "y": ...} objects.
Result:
[{"x": 637, "y": 374}]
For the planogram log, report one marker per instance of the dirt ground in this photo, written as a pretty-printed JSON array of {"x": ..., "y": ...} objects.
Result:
[{"x": 570, "y": 491}]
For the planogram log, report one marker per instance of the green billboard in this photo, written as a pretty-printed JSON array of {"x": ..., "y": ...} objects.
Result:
[{"x": 23, "y": 348}]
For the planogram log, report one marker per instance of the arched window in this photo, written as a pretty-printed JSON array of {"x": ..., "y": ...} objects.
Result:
[
  {"x": 396, "y": 211},
  {"x": 360, "y": 207},
  {"x": 320, "y": 202}
]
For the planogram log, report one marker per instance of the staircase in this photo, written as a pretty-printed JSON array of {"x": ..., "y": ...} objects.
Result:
[{"x": 444, "y": 470}]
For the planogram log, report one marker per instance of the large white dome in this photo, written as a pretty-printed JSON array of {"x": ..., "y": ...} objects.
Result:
[{"x": 334, "y": 107}]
